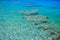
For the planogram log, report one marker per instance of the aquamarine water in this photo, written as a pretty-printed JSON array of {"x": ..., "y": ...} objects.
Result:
[{"x": 14, "y": 27}]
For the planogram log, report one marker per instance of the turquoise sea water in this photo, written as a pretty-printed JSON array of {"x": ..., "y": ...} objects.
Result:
[{"x": 14, "y": 27}]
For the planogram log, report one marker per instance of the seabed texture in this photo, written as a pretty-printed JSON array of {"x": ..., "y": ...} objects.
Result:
[{"x": 28, "y": 22}]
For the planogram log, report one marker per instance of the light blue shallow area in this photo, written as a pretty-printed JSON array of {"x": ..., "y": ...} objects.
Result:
[{"x": 14, "y": 27}]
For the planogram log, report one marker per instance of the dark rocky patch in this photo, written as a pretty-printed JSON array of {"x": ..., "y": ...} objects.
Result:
[{"x": 34, "y": 13}]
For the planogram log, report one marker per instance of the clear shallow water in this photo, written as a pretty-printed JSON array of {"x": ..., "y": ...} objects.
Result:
[{"x": 14, "y": 27}]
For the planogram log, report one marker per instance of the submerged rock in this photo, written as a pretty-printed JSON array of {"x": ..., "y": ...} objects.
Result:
[
  {"x": 34, "y": 12},
  {"x": 44, "y": 21},
  {"x": 45, "y": 26},
  {"x": 55, "y": 34},
  {"x": 36, "y": 19},
  {"x": 31, "y": 12}
]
